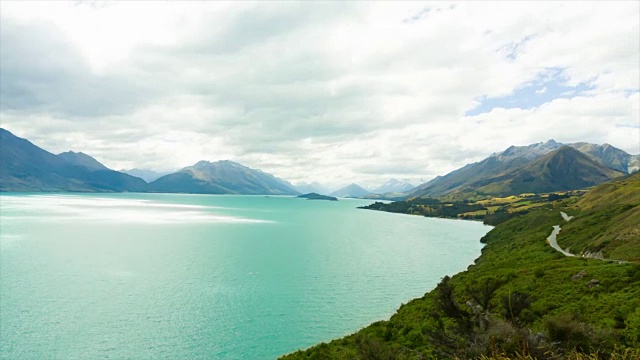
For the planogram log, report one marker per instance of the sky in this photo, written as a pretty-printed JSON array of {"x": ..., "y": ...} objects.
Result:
[{"x": 334, "y": 92}]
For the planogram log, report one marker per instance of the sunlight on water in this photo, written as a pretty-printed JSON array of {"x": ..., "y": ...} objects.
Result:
[{"x": 54, "y": 208}]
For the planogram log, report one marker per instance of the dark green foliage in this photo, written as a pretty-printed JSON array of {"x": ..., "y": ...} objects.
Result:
[
  {"x": 482, "y": 291},
  {"x": 513, "y": 305}
]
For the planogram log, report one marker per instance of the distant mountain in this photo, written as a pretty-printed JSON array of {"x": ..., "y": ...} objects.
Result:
[
  {"x": 314, "y": 187},
  {"x": 351, "y": 191},
  {"x": 146, "y": 175},
  {"x": 468, "y": 177},
  {"x": 26, "y": 167},
  {"x": 82, "y": 159},
  {"x": 393, "y": 186},
  {"x": 613, "y": 157},
  {"x": 222, "y": 177},
  {"x": 387, "y": 196}
]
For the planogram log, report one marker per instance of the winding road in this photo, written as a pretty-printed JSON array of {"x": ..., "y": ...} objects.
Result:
[{"x": 556, "y": 230}]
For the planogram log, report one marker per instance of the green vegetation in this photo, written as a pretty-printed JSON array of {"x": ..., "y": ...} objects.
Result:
[
  {"x": 522, "y": 299},
  {"x": 606, "y": 223},
  {"x": 492, "y": 210}
]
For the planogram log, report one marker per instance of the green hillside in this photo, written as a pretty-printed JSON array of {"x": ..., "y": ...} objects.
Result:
[
  {"x": 523, "y": 299},
  {"x": 607, "y": 222}
]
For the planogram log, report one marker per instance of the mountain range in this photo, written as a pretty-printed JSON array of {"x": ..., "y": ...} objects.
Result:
[
  {"x": 26, "y": 167},
  {"x": 541, "y": 167},
  {"x": 351, "y": 191},
  {"x": 146, "y": 175},
  {"x": 222, "y": 177},
  {"x": 312, "y": 187},
  {"x": 393, "y": 186}
]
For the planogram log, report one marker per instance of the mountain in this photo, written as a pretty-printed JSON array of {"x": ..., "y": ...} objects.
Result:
[
  {"x": 351, "y": 191},
  {"x": 466, "y": 175},
  {"x": 393, "y": 186},
  {"x": 222, "y": 177},
  {"x": 314, "y": 187},
  {"x": 634, "y": 163},
  {"x": 26, "y": 167},
  {"x": 82, "y": 159},
  {"x": 146, "y": 175},
  {"x": 477, "y": 174},
  {"x": 611, "y": 156},
  {"x": 562, "y": 169},
  {"x": 528, "y": 152}
]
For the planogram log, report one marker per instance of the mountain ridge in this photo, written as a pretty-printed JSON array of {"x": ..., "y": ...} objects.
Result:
[
  {"x": 393, "y": 186},
  {"x": 82, "y": 159},
  {"x": 471, "y": 176},
  {"x": 27, "y": 167},
  {"x": 222, "y": 177},
  {"x": 351, "y": 191}
]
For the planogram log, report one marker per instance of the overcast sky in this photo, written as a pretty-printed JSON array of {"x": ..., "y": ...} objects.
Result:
[{"x": 332, "y": 92}]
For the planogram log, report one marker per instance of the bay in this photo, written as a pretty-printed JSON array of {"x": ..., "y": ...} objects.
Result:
[{"x": 168, "y": 276}]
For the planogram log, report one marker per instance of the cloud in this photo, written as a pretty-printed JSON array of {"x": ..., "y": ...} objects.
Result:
[{"x": 337, "y": 93}]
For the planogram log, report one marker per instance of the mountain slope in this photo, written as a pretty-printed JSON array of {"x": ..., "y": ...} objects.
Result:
[
  {"x": 222, "y": 177},
  {"x": 393, "y": 186},
  {"x": 146, "y": 175},
  {"x": 26, "y": 167},
  {"x": 82, "y": 159},
  {"x": 611, "y": 156},
  {"x": 562, "y": 169},
  {"x": 351, "y": 191},
  {"x": 463, "y": 177},
  {"x": 514, "y": 157},
  {"x": 615, "y": 207}
]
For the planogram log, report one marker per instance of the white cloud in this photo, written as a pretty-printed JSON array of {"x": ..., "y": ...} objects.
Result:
[{"x": 334, "y": 92}]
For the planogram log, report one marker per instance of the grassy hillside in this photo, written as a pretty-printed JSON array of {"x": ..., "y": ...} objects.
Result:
[
  {"x": 522, "y": 298},
  {"x": 607, "y": 222}
]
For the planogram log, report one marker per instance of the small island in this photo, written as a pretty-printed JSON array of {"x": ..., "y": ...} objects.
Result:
[{"x": 316, "y": 196}]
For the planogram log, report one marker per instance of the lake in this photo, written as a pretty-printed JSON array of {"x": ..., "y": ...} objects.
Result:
[{"x": 169, "y": 276}]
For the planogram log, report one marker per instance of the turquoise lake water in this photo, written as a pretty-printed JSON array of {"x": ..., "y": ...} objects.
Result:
[{"x": 159, "y": 276}]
